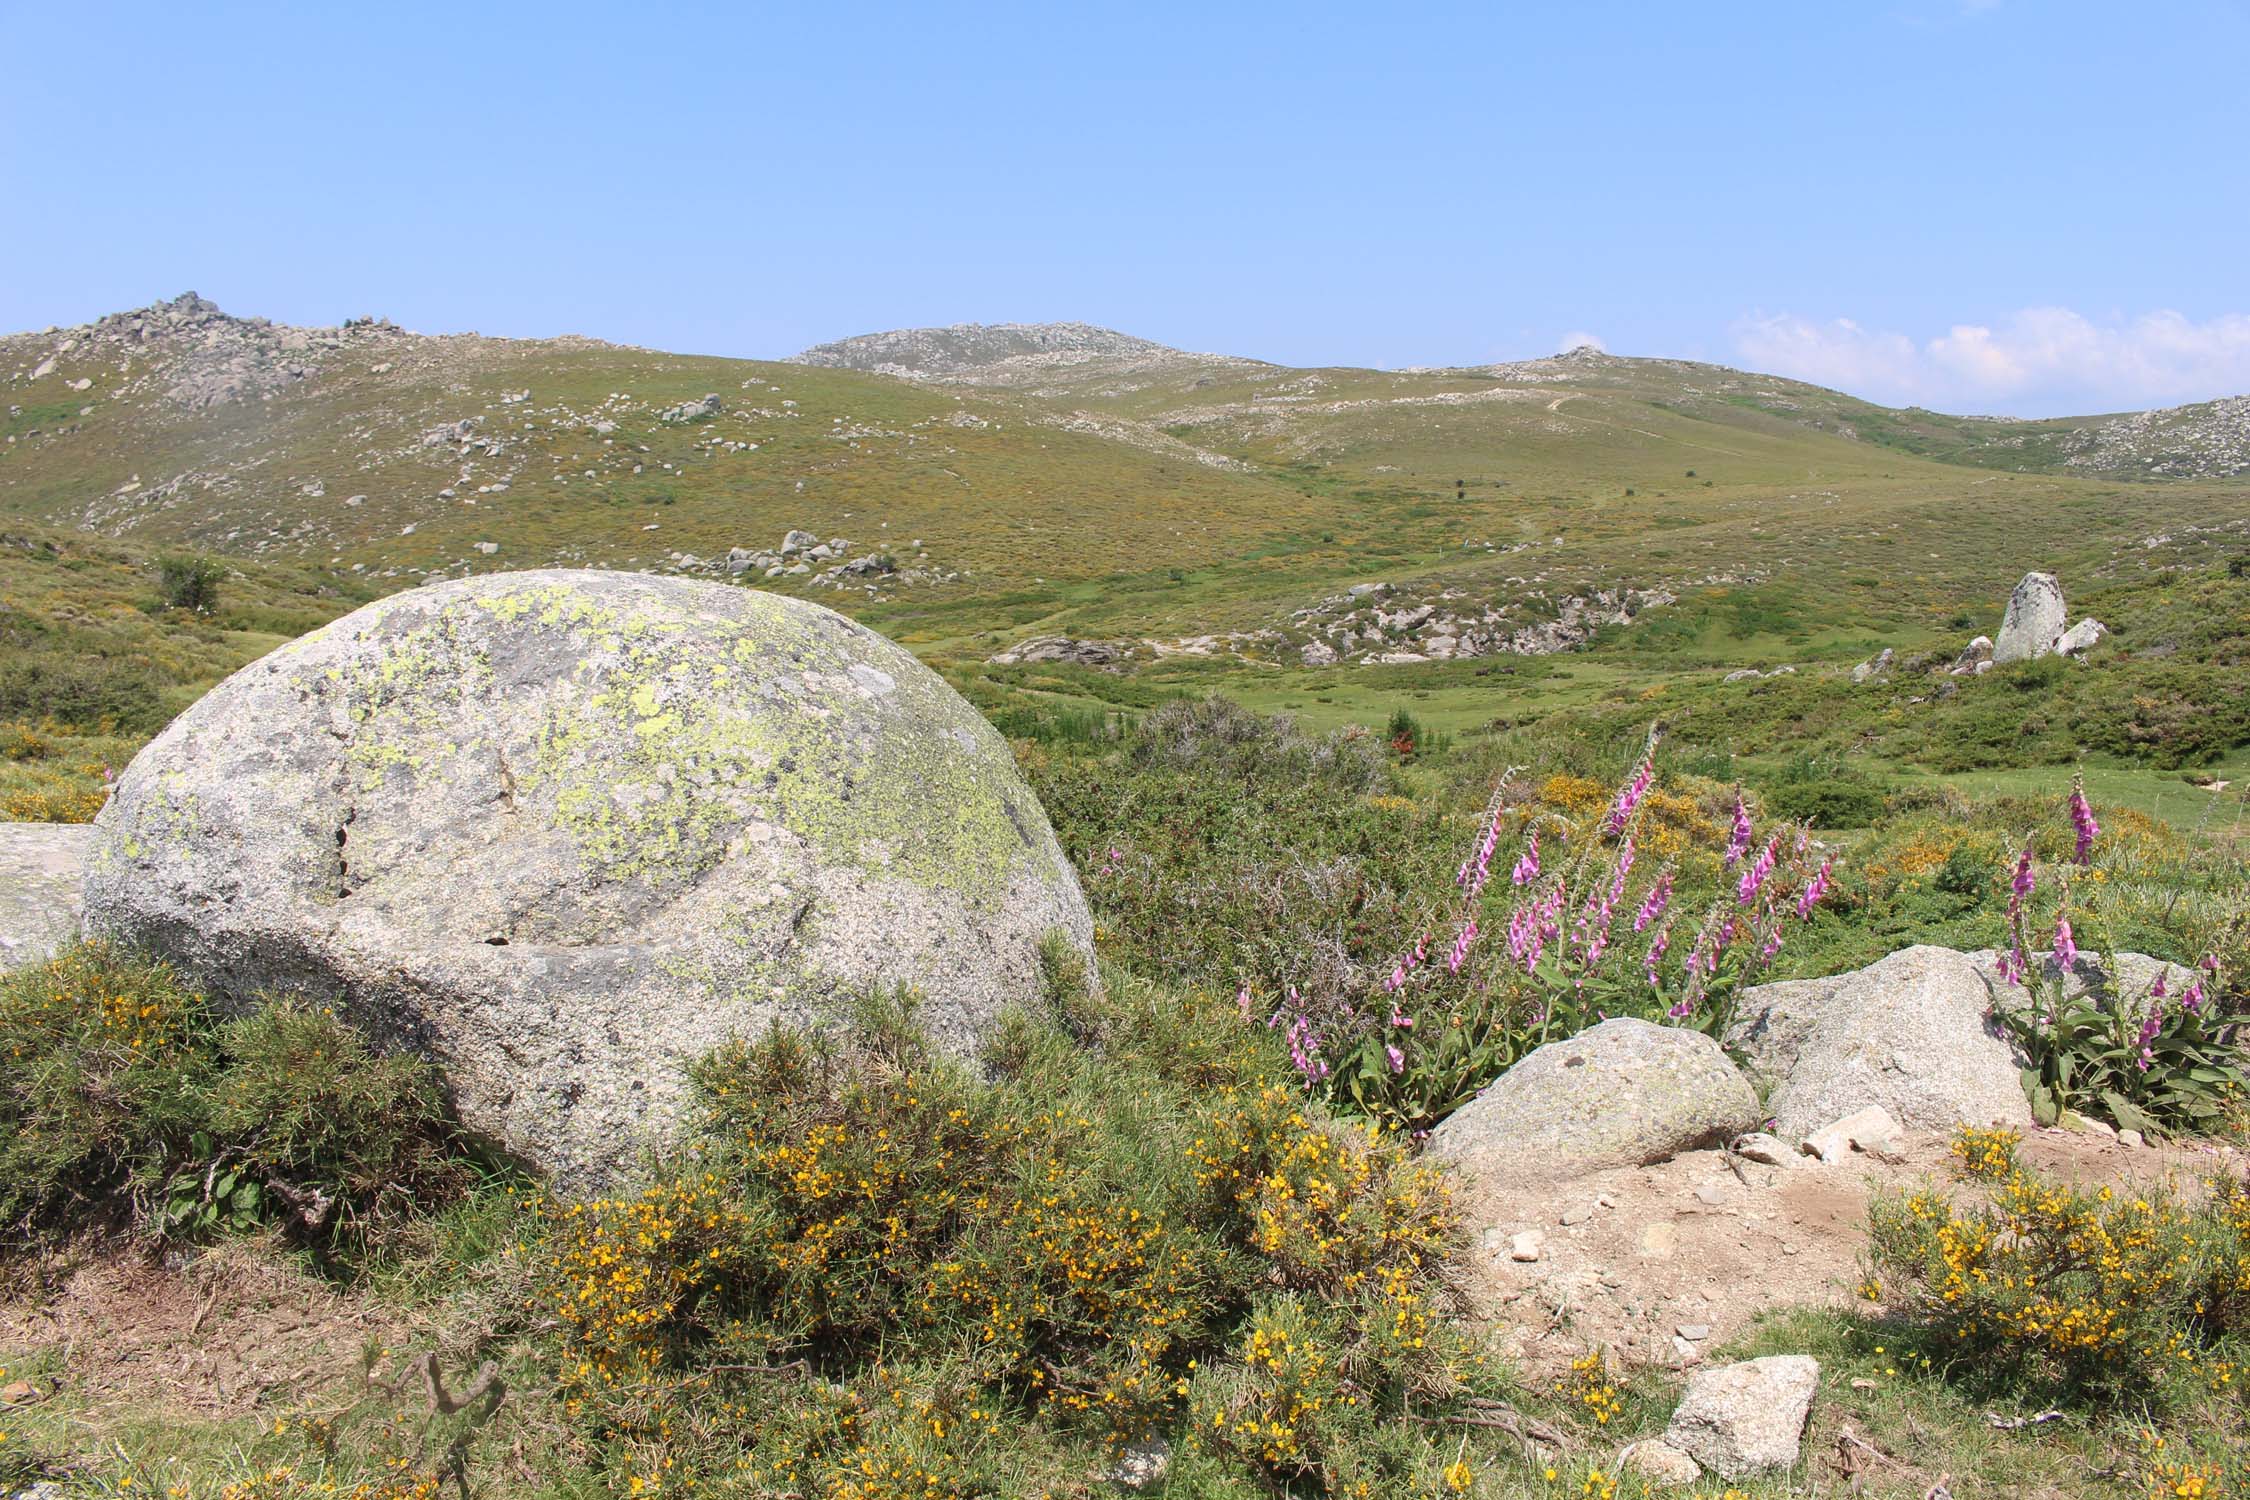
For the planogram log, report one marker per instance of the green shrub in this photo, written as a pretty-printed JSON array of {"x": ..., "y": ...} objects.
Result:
[
  {"x": 128, "y": 1102},
  {"x": 1220, "y": 846},
  {"x": 1823, "y": 794},
  {"x": 190, "y": 582},
  {"x": 90, "y": 692}
]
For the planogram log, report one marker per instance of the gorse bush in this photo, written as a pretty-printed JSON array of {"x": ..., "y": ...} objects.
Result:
[
  {"x": 878, "y": 1272},
  {"x": 2140, "y": 1295},
  {"x": 127, "y": 1101}
]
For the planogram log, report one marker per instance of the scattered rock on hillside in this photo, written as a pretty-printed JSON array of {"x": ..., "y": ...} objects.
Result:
[
  {"x": 1747, "y": 1418},
  {"x": 1974, "y": 657},
  {"x": 1907, "y": 1033},
  {"x": 564, "y": 831},
  {"x": 39, "y": 871},
  {"x": 2035, "y": 620},
  {"x": 1142, "y": 1464},
  {"x": 691, "y": 411},
  {"x": 1622, "y": 1093},
  {"x": 1063, "y": 648},
  {"x": 1878, "y": 665},
  {"x": 2081, "y": 637}
]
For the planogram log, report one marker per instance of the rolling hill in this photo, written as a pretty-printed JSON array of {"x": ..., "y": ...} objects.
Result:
[{"x": 998, "y": 483}]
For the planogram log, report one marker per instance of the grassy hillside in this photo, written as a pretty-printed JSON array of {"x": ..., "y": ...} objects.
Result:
[{"x": 1210, "y": 516}]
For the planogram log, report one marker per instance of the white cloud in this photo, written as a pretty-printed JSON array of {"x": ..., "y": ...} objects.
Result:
[
  {"x": 2041, "y": 360},
  {"x": 1578, "y": 339}
]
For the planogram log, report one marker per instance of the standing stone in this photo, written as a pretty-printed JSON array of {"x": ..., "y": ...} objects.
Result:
[
  {"x": 2034, "y": 622},
  {"x": 566, "y": 831},
  {"x": 1747, "y": 1418},
  {"x": 1620, "y": 1094}
]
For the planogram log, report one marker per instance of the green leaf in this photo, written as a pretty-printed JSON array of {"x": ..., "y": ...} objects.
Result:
[{"x": 2125, "y": 1115}]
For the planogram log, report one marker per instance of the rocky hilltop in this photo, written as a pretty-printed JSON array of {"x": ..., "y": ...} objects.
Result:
[
  {"x": 1001, "y": 353},
  {"x": 190, "y": 354},
  {"x": 2207, "y": 440}
]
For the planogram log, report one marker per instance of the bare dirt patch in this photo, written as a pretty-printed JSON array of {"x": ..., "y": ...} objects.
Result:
[
  {"x": 229, "y": 1333},
  {"x": 1662, "y": 1263}
]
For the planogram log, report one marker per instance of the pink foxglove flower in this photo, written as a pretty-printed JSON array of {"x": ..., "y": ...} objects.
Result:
[
  {"x": 1738, "y": 842},
  {"x": 2149, "y": 1029},
  {"x": 1625, "y": 855},
  {"x": 1754, "y": 878},
  {"x": 2023, "y": 883},
  {"x": 2082, "y": 819},
  {"x": 2066, "y": 947},
  {"x": 1629, "y": 795},
  {"x": 1815, "y": 888},
  {"x": 1659, "y": 897},
  {"x": 1527, "y": 868},
  {"x": 1477, "y": 868},
  {"x": 1461, "y": 944},
  {"x": 1397, "y": 1059}
]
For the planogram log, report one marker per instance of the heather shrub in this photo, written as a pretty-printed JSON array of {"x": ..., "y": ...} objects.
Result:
[
  {"x": 1218, "y": 846},
  {"x": 86, "y": 692}
]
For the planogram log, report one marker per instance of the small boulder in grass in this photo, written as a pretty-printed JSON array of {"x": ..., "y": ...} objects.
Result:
[
  {"x": 1748, "y": 1418},
  {"x": 1621, "y": 1094},
  {"x": 1659, "y": 1465}
]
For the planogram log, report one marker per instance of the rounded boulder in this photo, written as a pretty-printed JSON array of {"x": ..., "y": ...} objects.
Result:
[
  {"x": 1620, "y": 1094},
  {"x": 565, "y": 831}
]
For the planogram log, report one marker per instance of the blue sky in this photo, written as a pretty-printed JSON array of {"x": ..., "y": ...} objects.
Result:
[{"x": 2014, "y": 206}]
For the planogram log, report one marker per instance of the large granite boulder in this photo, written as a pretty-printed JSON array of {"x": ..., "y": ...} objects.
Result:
[
  {"x": 1909, "y": 1034},
  {"x": 564, "y": 831},
  {"x": 39, "y": 869},
  {"x": 1620, "y": 1094},
  {"x": 2034, "y": 621}
]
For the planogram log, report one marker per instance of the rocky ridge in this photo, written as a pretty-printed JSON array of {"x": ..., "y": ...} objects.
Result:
[
  {"x": 195, "y": 356},
  {"x": 2207, "y": 440},
  {"x": 1005, "y": 354},
  {"x": 1384, "y": 624}
]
